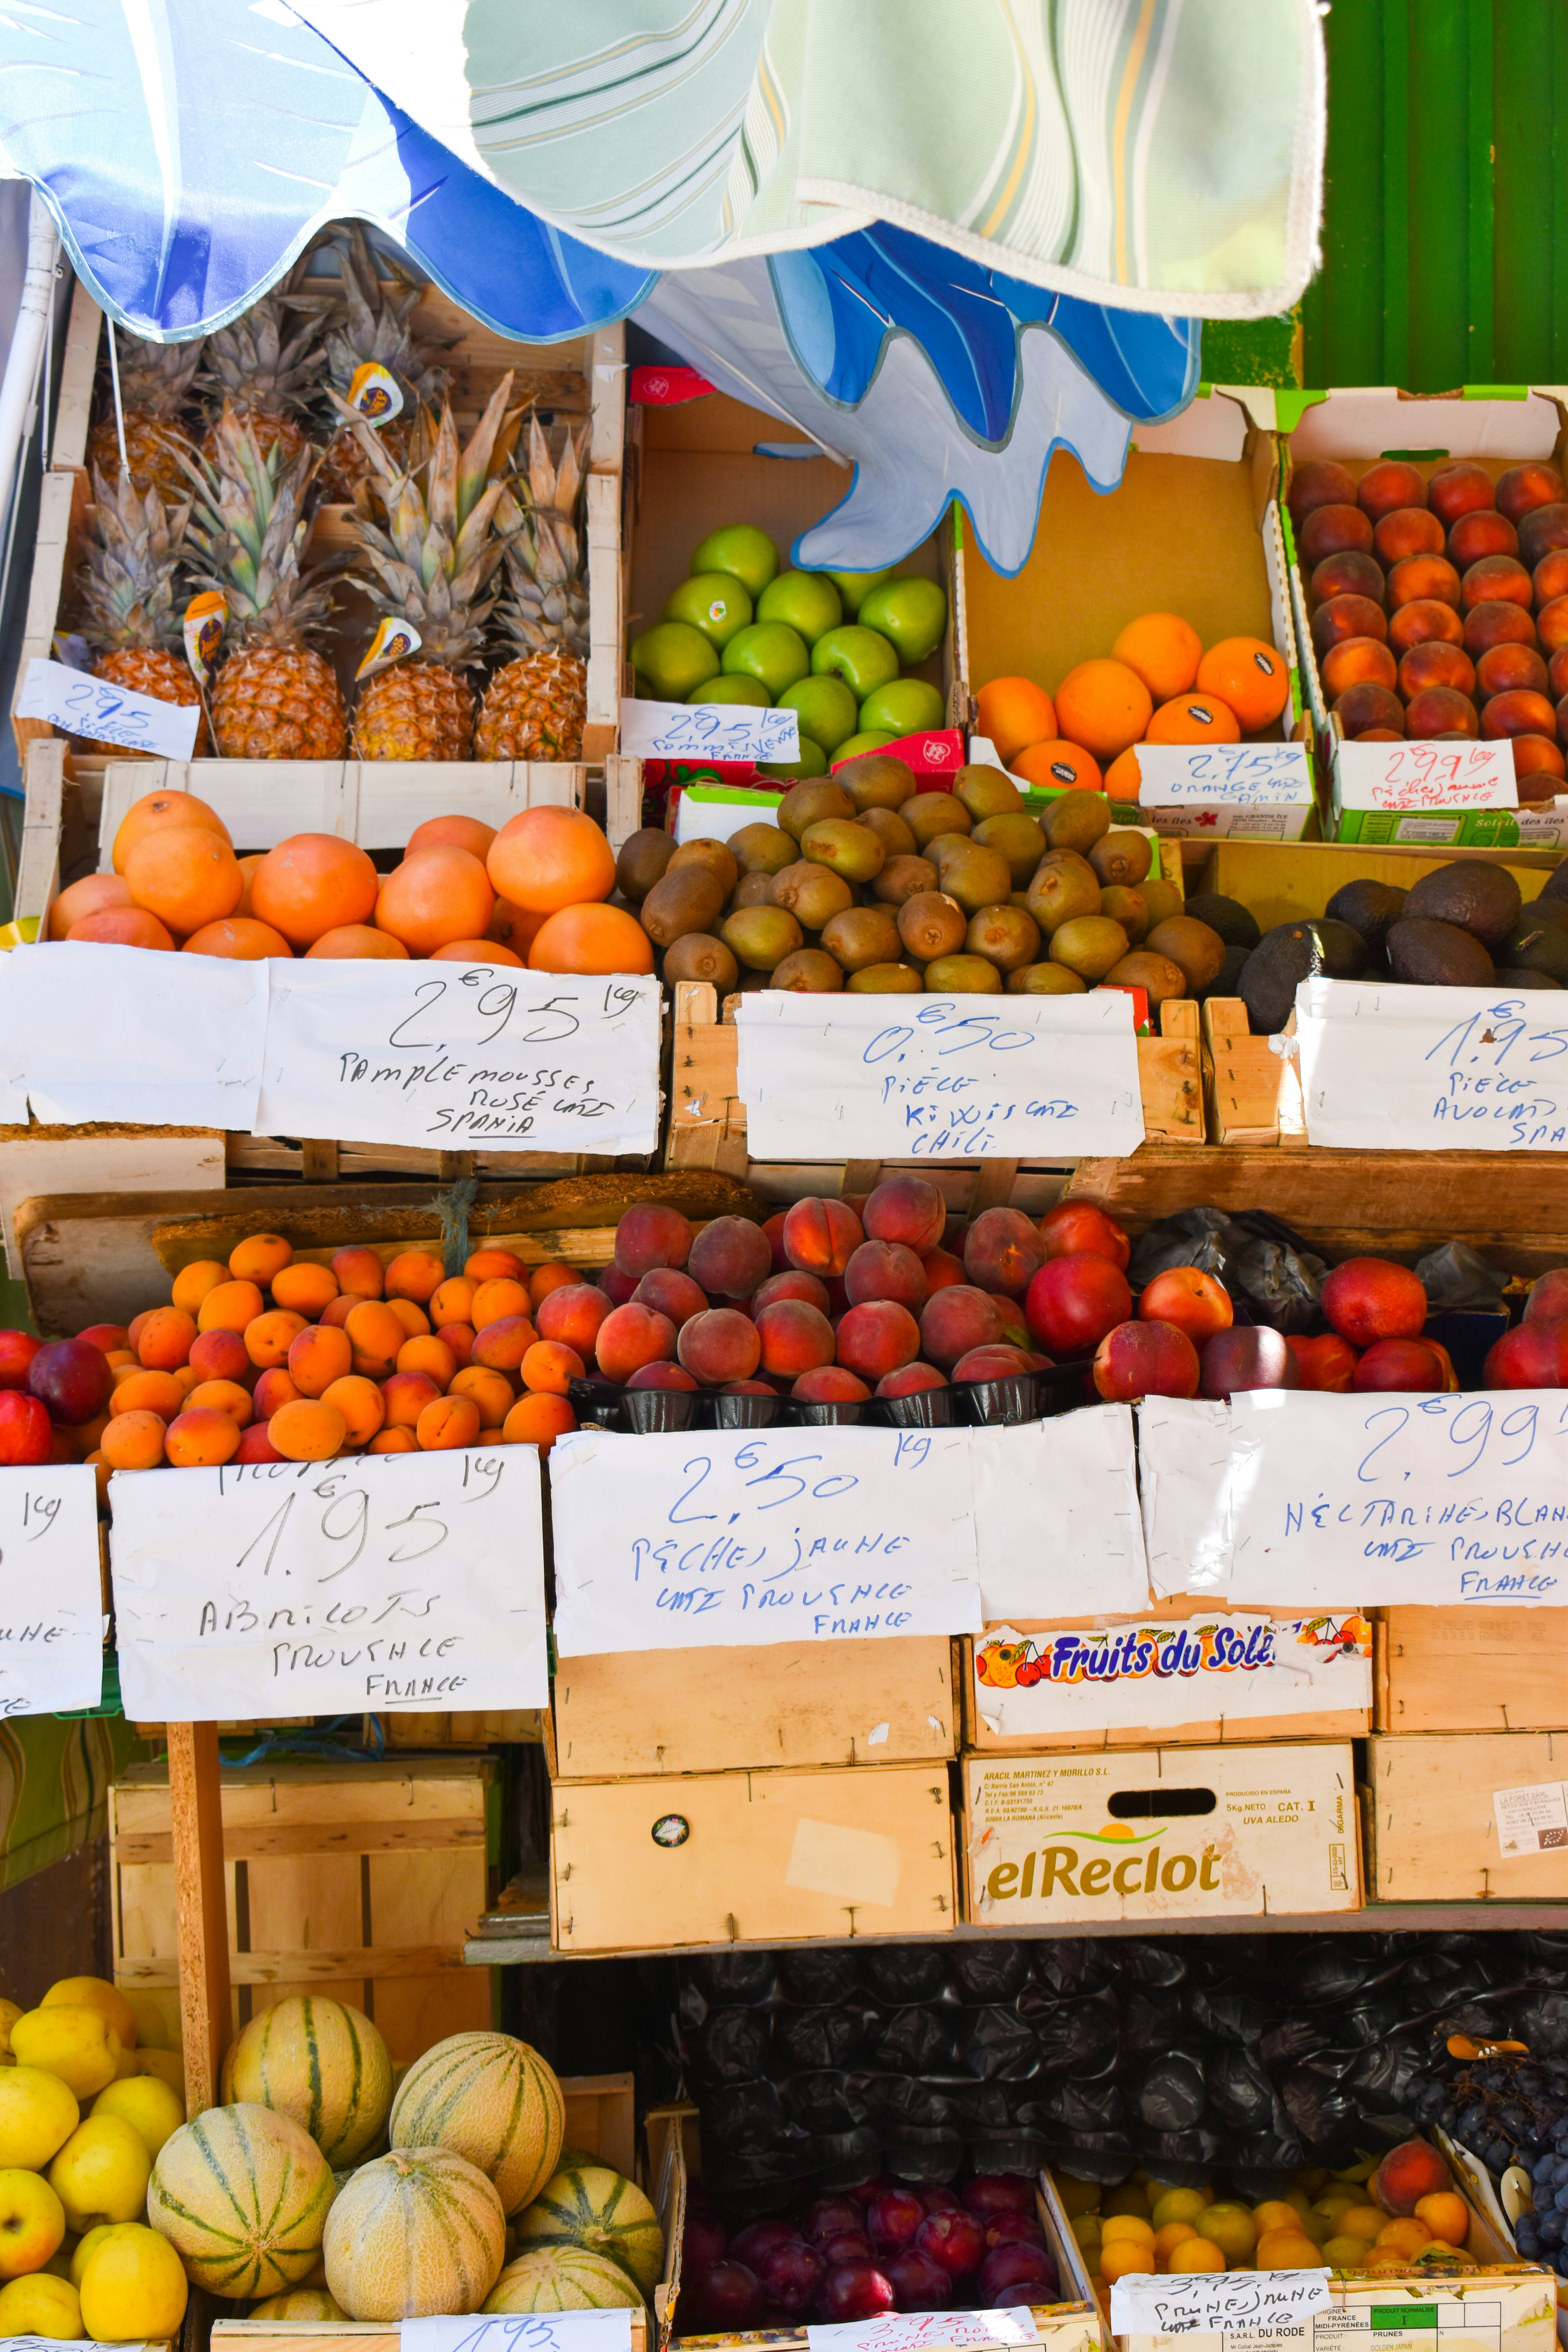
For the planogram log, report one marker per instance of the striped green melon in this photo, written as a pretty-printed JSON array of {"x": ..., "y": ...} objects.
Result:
[
  {"x": 490, "y": 2098},
  {"x": 300, "y": 2303},
  {"x": 242, "y": 2195},
  {"x": 322, "y": 2062},
  {"x": 417, "y": 2234},
  {"x": 598, "y": 2209},
  {"x": 563, "y": 2278}
]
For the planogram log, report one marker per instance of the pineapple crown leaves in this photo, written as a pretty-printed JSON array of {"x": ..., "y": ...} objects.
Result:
[
  {"x": 374, "y": 322},
  {"x": 250, "y": 526},
  {"x": 265, "y": 358},
  {"x": 547, "y": 603},
  {"x": 156, "y": 378},
  {"x": 127, "y": 583}
]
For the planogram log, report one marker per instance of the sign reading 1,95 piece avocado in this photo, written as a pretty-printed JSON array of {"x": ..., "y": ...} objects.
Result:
[{"x": 1412, "y": 1068}]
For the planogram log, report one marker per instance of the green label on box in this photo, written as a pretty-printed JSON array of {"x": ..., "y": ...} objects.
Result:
[{"x": 1400, "y": 2315}]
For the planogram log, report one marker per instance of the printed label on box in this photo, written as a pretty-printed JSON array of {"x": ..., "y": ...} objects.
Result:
[{"x": 1532, "y": 1820}]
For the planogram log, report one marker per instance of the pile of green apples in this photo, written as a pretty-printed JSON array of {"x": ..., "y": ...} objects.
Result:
[{"x": 828, "y": 646}]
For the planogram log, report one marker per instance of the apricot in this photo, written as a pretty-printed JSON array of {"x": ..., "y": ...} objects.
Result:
[
  {"x": 493, "y": 1264},
  {"x": 632, "y": 1336},
  {"x": 432, "y": 1356},
  {"x": 230, "y": 1306},
  {"x": 1368, "y": 1299},
  {"x": 165, "y": 1339},
  {"x": 650, "y": 1234},
  {"x": 202, "y": 1438},
  {"x": 1003, "y": 1251},
  {"x": 492, "y": 1392},
  {"x": 1357, "y": 661},
  {"x": 1498, "y": 622},
  {"x": 133, "y": 1440},
  {"x": 1436, "y": 664},
  {"x": 193, "y": 1282},
  {"x": 141, "y": 1391},
  {"x": 1402, "y": 1365},
  {"x": 268, "y": 1337},
  {"x": 1519, "y": 712},
  {"x": 538, "y": 1420},
  {"x": 501, "y": 1345},
  {"x": 956, "y": 1320},
  {"x": 358, "y": 1271},
  {"x": 258, "y": 1257},
  {"x": 1407, "y": 531},
  {"x": 1145, "y": 1358},
  {"x": 1406, "y": 2235},
  {"x": 549, "y": 1365},
  {"x": 1440, "y": 710},
  {"x": 1535, "y": 483},
  {"x": 1360, "y": 707},
  {"x": 1349, "y": 574},
  {"x": 1347, "y": 616},
  {"x": 459, "y": 1339},
  {"x": 1496, "y": 578},
  {"x": 1424, "y": 579},
  {"x": 318, "y": 1355},
  {"x": 375, "y": 1335},
  {"x": 448, "y": 1422},
  {"x": 1194, "y": 1301},
  {"x": 308, "y": 1431},
  {"x": 273, "y": 1388},
  {"x": 1552, "y": 625},
  {"x": 906, "y": 1210},
  {"x": 720, "y": 1345},
  {"x": 1507, "y": 669},
  {"x": 1425, "y": 622},
  {"x": 304, "y": 1288},
  {"x": 394, "y": 1440},
  {"x": 1287, "y": 2249},
  {"x": 877, "y": 1338},
  {"x": 1319, "y": 483},
  {"x": 1333, "y": 530},
  {"x": 552, "y": 1276},
  {"x": 1477, "y": 534},
  {"x": 415, "y": 1321},
  {"x": 416, "y": 1274},
  {"x": 452, "y": 1301},
  {"x": 1445, "y": 2212},
  {"x": 573, "y": 1315}
]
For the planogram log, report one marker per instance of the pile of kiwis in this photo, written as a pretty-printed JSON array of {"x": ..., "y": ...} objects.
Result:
[{"x": 867, "y": 883}]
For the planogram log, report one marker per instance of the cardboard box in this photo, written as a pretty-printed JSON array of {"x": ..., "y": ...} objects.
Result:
[
  {"x": 1153, "y": 1833},
  {"x": 1510, "y": 2309},
  {"x": 1433, "y": 1835}
]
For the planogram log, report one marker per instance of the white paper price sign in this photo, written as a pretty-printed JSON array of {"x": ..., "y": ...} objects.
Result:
[
  {"x": 717, "y": 1538},
  {"x": 521, "y": 2331},
  {"x": 1391, "y": 1500},
  {"x": 453, "y": 1055},
  {"x": 1425, "y": 775},
  {"x": 79, "y": 704},
  {"x": 1431, "y": 1069},
  {"x": 93, "y": 1032},
  {"x": 51, "y": 1600},
  {"x": 938, "y": 1078},
  {"x": 1184, "y": 1457},
  {"x": 708, "y": 730},
  {"x": 926, "y": 2331},
  {"x": 1241, "y": 775},
  {"x": 1217, "y": 2302},
  {"x": 384, "y": 1583},
  {"x": 1085, "y": 1461}
]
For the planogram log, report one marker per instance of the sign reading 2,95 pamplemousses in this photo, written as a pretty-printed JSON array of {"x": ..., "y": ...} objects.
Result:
[{"x": 938, "y": 1078}]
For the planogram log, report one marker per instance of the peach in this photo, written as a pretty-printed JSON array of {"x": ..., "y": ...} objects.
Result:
[
  {"x": 434, "y": 1358},
  {"x": 1497, "y": 623},
  {"x": 830, "y": 1384},
  {"x": 413, "y": 1274},
  {"x": 394, "y": 1440},
  {"x": 495, "y": 1265},
  {"x": 671, "y": 1293},
  {"x": 1459, "y": 487},
  {"x": 320, "y": 1355},
  {"x": 538, "y": 1420},
  {"x": 1507, "y": 669},
  {"x": 631, "y": 1335},
  {"x": 1422, "y": 623},
  {"x": 956, "y": 1320},
  {"x": 1003, "y": 1251},
  {"x": 1349, "y": 574},
  {"x": 722, "y": 1344},
  {"x": 274, "y": 1388},
  {"x": 268, "y": 1337},
  {"x": 1407, "y": 531},
  {"x": 375, "y": 1335},
  {"x": 133, "y": 1441},
  {"x": 1423, "y": 579},
  {"x": 552, "y": 1276},
  {"x": 881, "y": 1270},
  {"x": 774, "y": 1227},
  {"x": 255, "y": 1445},
  {"x": 549, "y": 1365},
  {"x": 1360, "y": 707},
  {"x": 450, "y": 1422},
  {"x": 157, "y": 1392},
  {"x": 1541, "y": 530},
  {"x": 1079, "y": 1229},
  {"x": 1440, "y": 710},
  {"x": 650, "y": 1234},
  {"x": 1319, "y": 483},
  {"x": 1073, "y": 1302},
  {"x": 492, "y": 1392},
  {"x": 1534, "y": 483},
  {"x": 1431, "y": 664},
  {"x": 453, "y": 1301},
  {"x": 1357, "y": 661},
  {"x": 1325, "y": 1361},
  {"x": 1138, "y": 1358},
  {"x": 1531, "y": 1356},
  {"x": 1519, "y": 712},
  {"x": 1478, "y": 534},
  {"x": 912, "y": 1379},
  {"x": 1412, "y": 2170},
  {"x": 459, "y": 1338},
  {"x": 1333, "y": 530},
  {"x": 229, "y": 1307},
  {"x": 794, "y": 1284},
  {"x": 795, "y": 1337},
  {"x": 165, "y": 1339},
  {"x": 304, "y": 1288},
  {"x": 1398, "y": 1364},
  {"x": 1552, "y": 625},
  {"x": 1550, "y": 577},
  {"x": 1496, "y": 578},
  {"x": 1390, "y": 487},
  {"x": 203, "y": 1439},
  {"x": 1347, "y": 616},
  {"x": 1194, "y": 1301},
  {"x": 1539, "y": 766},
  {"x": 906, "y": 1209},
  {"x": 1000, "y": 1362},
  {"x": 501, "y": 1294},
  {"x": 730, "y": 1256},
  {"x": 618, "y": 1289},
  {"x": 1369, "y": 1298},
  {"x": 258, "y": 1257},
  {"x": 942, "y": 1270},
  {"x": 223, "y": 1396},
  {"x": 501, "y": 1345},
  {"x": 664, "y": 1375},
  {"x": 877, "y": 1338},
  {"x": 1246, "y": 1357},
  {"x": 359, "y": 1270},
  {"x": 1548, "y": 1298},
  {"x": 572, "y": 1316}
]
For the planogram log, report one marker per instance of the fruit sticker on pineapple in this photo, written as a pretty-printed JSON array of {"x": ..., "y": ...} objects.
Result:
[
  {"x": 393, "y": 641},
  {"x": 375, "y": 393},
  {"x": 207, "y": 618}
]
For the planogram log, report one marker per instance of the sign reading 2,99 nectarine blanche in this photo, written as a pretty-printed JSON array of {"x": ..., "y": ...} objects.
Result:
[
  {"x": 938, "y": 1078},
  {"x": 51, "y": 1597}
]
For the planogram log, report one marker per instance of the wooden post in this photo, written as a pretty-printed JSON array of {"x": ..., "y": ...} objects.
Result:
[{"x": 201, "y": 1906}]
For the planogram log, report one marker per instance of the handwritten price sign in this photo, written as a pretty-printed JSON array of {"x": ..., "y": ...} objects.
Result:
[
  {"x": 455, "y": 1056},
  {"x": 533, "y": 2331},
  {"x": 51, "y": 1600},
  {"x": 93, "y": 1032},
  {"x": 1431, "y": 1069},
  {"x": 837, "y": 1077},
  {"x": 388, "y": 1583},
  {"x": 79, "y": 704},
  {"x": 1223, "y": 2303},
  {"x": 1425, "y": 775},
  {"x": 1244, "y": 775},
  {"x": 708, "y": 730}
]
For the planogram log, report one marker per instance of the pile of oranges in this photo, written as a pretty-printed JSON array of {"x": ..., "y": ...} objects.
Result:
[
  {"x": 1158, "y": 685},
  {"x": 270, "y": 1357},
  {"x": 532, "y": 893}
]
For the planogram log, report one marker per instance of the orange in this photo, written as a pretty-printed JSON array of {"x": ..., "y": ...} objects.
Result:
[
  {"x": 202, "y": 1438},
  {"x": 259, "y": 1256},
  {"x": 376, "y": 1335},
  {"x": 304, "y": 1287},
  {"x": 1015, "y": 712},
  {"x": 248, "y": 865},
  {"x": 185, "y": 875},
  {"x": 240, "y": 937},
  {"x": 491, "y": 1391},
  {"x": 414, "y": 1273},
  {"x": 468, "y": 832},
  {"x": 230, "y": 1306},
  {"x": 1194, "y": 719},
  {"x": 1123, "y": 776},
  {"x": 538, "y": 1420},
  {"x": 358, "y": 940},
  {"x": 1163, "y": 649},
  {"x": 543, "y": 859},
  {"x": 317, "y": 1356},
  {"x": 95, "y": 894},
  {"x": 514, "y": 926},
  {"x": 157, "y": 811},
  {"x": 360, "y": 1402},
  {"x": 451, "y": 1421},
  {"x": 587, "y": 938},
  {"x": 1104, "y": 706},
  {"x": 394, "y": 1440},
  {"x": 1444, "y": 2213},
  {"x": 436, "y": 895},
  {"x": 223, "y": 1396},
  {"x": 498, "y": 1297},
  {"x": 311, "y": 883},
  {"x": 123, "y": 927},
  {"x": 476, "y": 952},
  {"x": 548, "y": 1365},
  {"x": 1250, "y": 676},
  {"x": 310, "y": 1431},
  {"x": 1056, "y": 764},
  {"x": 135, "y": 1441},
  {"x": 500, "y": 1264},
  {"x": 414, "y": 1320}
]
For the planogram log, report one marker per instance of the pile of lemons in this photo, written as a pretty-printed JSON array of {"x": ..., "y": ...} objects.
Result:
[
  {"x": 1325, "y": 2220},
  {"x": 86, "y": 2100}
]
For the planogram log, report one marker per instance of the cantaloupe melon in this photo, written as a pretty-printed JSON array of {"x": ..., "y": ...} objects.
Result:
[
  {"x": 598, "y": 2209},
  {"x": 242, "y": 2194},
  {"x": 322, "y": 2062},
  {"x": 563, "y": 2278},
  {"x": 300, "y": 2303},
  {"x": 417, "y": 2234},
  {"x": 489, "y": 2098}
]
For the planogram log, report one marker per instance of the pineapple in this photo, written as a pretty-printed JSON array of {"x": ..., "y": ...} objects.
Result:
[
  {"x": 275, "y": 698},
  {"x": 431, "y": 563},
  {"x": 536, "y": 705},
  {"x": 373, "y": 325},
  {"x": 156, "y": 382},
  {"x": 126, "y": 589},
  {"x": 265, "y": 365}
]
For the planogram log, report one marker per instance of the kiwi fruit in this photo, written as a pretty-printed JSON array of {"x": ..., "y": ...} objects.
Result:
[
  {"x": 1161, "y": 899},
  {"x": 684, "y": 898},
  {"x": 877, "y": 779},
  {"x": 1130, "y": 908},
  {"x": 642, "y": 861},
  {"x": 1077, "y": 821},
  {"x": 1156, "y": 974},
  {"x": 1063, "y": 885},
  {"x": 891, "y": 830},
  {"x": 851, "y": 849},
  {"x": 813, "y": 802},
  {"x": 961, "y": 975},
  {"x": 901, "y": 877},
  {"x": 987, "y": 792},
  {"x": 698, "y": 955},
  {"x": 1021, "y": 839},
  {"x": 930, "y": 814},
  {"x": 930, "y": 924},
  {"x": 760, "y": 937},
  {"x": 754, "y": 889},
  {"x": 1045, "y": 980},
  {"x": 975, "y": 875},
  {"x": 717, "y": 855},
  {"x": 812, "y": 894},
  {"x": 861, "y": 936},
  {"x": 884, "y": 980},
  {"x": 809, "y": 972},
  {"x": 1199, "y": 950},
  {"x": 1008, "y": 935},
  {"x": 1089, "y": 945},
  {"x": 1121, "y": 856},
  {"x": 763, "y": 848}
]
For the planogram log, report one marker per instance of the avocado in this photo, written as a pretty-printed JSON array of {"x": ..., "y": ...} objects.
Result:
[
  {"x": 1236, "y": 924},
  {"x": 1537, "y": 945},
  {"x": 1291, "y": 952},
  {"x": 1469, "y": 894},
  {"x": 1436, "y": 954},
  {"x": 1556, "y": 883},
  {"x": 1370, "y": 907},
  {"x": 1226, "y": 980},
  {"x": 1507, "y": 976}
]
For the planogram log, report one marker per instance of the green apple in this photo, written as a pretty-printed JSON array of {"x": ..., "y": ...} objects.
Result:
[
  {"x": 870, "y": 740},
  {"x": 854, "y": 586},
  {"x": 826, "y": 708},
  {"x": 770, "y": 652},
  {"x": 713, "y": 602},
  {"x": 862, "y": 657},
  {"x": 742, "y": 550},
  {"x": 813, "y": 762},
  {"x": 912, "y": 613},
  {"x": 908, "y": 706},
  {"x": 671, "y": 658},
  {"x": 732, "y": 689},
  {"x": 808, "y": 601}
]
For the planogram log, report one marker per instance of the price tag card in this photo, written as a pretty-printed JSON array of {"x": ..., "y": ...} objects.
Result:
[
  {"x": 523, "y": 2331},
  {"x": 938, "y": 1078},
  {"x": 926, "y": 2331},
  {"x": 716, "y": 1537},
  {"x": 1217, "y": 2302},
  {"x": 51, "y": 1596},
  {"x": 1399, "y": 1500},
  {"x": 1085, "y": 1463},
  {"x": 1184, "y": 1457},
  {"x": 1431, "y": 1069},
  {"x": 385, "y": 1583},
  {"x": 462, "y": 1056},
  {"x": 79, "y": 704},
  {"x": 93, "y": 1032},
  {"x": 708, "y": 730},
  {"x": 1424, "y": 776},
  {"x": 1241, "y": 775}
]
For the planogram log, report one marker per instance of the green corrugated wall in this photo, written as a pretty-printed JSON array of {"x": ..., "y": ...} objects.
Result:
[{"x": 1446, "y": 219}]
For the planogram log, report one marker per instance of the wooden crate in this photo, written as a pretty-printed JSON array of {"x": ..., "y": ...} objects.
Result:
[
  {"x": 1472, "y": 1670},
  {"x": 776, "y": 1706},
  {"x": 751, "y": 1857},
  {"x": 358, "y": 1880},
  {"x": 1431, "y": 1834},
  {"x": 521, "y": 1725}
]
